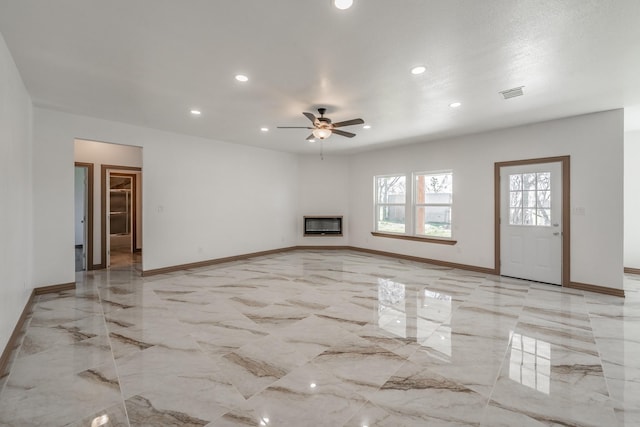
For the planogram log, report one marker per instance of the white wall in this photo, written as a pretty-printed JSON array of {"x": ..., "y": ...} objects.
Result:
[
  {"x": 632, "y": 199},
  {"x": 202, "y": 199},
  {"x": 323, "y": 187},
  {"x": 595, "y": 144},
  {"x": 100, "y": 153},
  {"x": 16, "y": 232}
]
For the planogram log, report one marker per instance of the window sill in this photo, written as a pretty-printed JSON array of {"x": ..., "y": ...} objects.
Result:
[{"x": 415, "y": 238}]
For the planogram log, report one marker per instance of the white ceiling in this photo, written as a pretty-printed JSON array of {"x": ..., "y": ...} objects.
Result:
[{"x": 148, "y": 62}]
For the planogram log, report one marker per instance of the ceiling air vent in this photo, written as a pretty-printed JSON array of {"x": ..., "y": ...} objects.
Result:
[{"x": 512, "y": 93}]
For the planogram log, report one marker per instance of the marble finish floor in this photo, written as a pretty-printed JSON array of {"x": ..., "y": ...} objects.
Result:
[{"x": 325, "y": 338}]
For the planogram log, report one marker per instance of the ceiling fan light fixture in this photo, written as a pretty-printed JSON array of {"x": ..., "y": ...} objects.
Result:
[
  {"x": 321, "y": 133},
  {"x": 343, "y": 4}
]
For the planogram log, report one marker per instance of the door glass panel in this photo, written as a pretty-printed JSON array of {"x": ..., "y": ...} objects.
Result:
[
  {"x": 528, "y": 217},
  {"x": 515, "y": 216},
  {"x": 515, "y": 182},
  {"x": 544, "y": 181},
  {"x": 515, "y": 199},
  {"x": 544, "y": 199},
  {"x": 529, "y": 181},
  {"x": 529, "y": 199},
  {"x": 544, "y": 217},
  {"x": 532, "y": 193}
]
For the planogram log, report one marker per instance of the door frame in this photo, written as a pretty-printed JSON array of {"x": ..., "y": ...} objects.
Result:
[
  {"x": 565, "y": 164},
  {"x": 89, "y": 213},
  {"x": 103, "y": 189}
]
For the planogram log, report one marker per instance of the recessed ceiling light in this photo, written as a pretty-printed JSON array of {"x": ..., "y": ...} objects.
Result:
[
  {"x": 311, "y": 140},
  {"x": 196, "y": 112},
  {"x": 455, "y": 104},
  {"x": 366, "y": 127},
  {"x": 312, "y": 385},
  {"x": 242, "y": 78},
  {"x": 343, "y": 4},
  {"x": 264, "y": 129},
  {"x": 419, "y": 69}
]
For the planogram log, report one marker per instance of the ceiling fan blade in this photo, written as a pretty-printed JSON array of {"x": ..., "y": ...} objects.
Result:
[
  {"x": 349, "y": 123},
  {"x": 343, "y": 133},
  {"x": 294, "y": 127},
  {"x": 311, "y": 117},
  {"x": 311, "y": 137}
]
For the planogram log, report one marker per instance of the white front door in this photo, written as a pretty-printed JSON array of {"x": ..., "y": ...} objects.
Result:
[{"x": 531, "y": 222}]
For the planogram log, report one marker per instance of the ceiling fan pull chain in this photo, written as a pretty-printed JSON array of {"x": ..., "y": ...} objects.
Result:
[{"x": 321, "y": 151}]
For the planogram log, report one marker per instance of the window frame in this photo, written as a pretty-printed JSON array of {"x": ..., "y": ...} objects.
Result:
[
  {"x": 378, "y": 204},
  {"x": 415, "y": 205},
  {"x": 410, "y": 207}
]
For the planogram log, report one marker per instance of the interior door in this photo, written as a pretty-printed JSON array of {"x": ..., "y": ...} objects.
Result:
[
  {"x": 531, "y": 222},
  {"x": 81, "y": 208},
  {"x": 121, "y": 212},
  {"x": 107, "y": 225}
]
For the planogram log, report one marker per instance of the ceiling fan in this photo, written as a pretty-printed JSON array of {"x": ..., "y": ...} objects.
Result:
[{"x": 323, "y": 128}]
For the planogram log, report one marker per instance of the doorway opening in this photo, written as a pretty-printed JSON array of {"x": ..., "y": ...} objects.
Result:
[
  {"x": 83, "y": 218},
  {"x": 121, "y": 219},
  {"x": 532, "y": 224}
]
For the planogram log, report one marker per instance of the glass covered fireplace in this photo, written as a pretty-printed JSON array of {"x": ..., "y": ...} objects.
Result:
[{"x": 323, "y": 225}]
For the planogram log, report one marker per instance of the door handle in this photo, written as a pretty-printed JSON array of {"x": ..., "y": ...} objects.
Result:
[{"x": 557, "y": 233}]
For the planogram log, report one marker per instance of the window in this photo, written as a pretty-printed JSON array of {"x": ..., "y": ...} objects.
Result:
[
  {"x": 390, "y": 203},
  {"x": 429, "y": 206},
  {"x": 530, "y": 199},
  {"x": 433, "y": 200}
]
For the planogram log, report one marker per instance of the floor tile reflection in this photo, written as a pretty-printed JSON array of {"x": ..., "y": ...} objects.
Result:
[{"x": 324, "y": 338}]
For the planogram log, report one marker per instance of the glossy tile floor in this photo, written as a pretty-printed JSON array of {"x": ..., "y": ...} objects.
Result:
[{"x": 325, "y": 338}]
